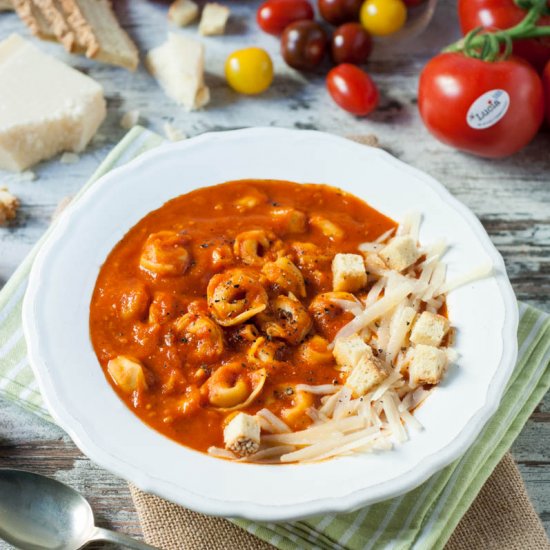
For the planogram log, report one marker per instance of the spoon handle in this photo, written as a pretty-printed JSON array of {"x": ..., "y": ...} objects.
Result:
[{"x": 119, "y": 538}]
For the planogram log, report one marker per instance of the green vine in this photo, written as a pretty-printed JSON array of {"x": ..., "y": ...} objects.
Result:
[{"x": 487, "y": 46}]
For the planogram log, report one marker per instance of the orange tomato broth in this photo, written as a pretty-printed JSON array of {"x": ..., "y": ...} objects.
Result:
[{"x": 173, "y": 402}]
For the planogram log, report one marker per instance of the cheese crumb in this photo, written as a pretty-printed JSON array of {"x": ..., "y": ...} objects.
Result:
[
  {"x": 213, "y": 20},
  {"x": 130, "y": 119},
  {"x": 27, "y": 175},
  {"x": 69, "y": 158},
  {"x": 183, "y": 12},
  {"x": 178, "y": 66},
  {"x": 173, "y": 133},
  {"x": 8, "y": 206},
  {"x": 242, "y": 434}
]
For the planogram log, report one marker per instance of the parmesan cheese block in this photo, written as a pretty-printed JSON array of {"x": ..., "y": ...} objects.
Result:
[
  {"x": 178, "y": 66},
  {"x": 46, "y": 107}
]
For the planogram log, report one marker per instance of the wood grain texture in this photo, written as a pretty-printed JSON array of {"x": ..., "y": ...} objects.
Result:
[{"x": 511, "y": 197}]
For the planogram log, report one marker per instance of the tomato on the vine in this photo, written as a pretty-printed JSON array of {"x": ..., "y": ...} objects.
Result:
[
  {"x": 504, "y": 14},
  {"x": 383, "y": 17},
  {"x": 490, "y": 109},
  {"x": 352, "y": 89},
  {"x": 274, "y": 16},
  {"x": 546, "y": 85}
]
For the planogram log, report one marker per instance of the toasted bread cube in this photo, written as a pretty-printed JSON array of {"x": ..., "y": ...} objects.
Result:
[
  {"x": 430, "y": 329},
  {"x": 427, "y": 365},
  {"x": 8, "y": 206},
  {"x": 349, "y": 351},
  {"x": 348, "y": 272},
  {"x": 242, "y": 434},
  {"x": 127, "y": 373},
  {"x": 213, "y": 20},
  {"x": 366, "y": 375},
  {"x": 183, "y": 12},
  {"x": 400, "y": 253}
]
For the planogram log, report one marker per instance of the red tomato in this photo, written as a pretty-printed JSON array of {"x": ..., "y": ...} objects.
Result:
[
  {"x": 503, "y": 14},
  {"x": 274, "y": 15},
  {"x": 546, "y": 84},
  {"x": 352, "y": 89},
  {"x": 337, "y": 12},
  {"x": 351, "y": 43},
  {"x": 488, "y": 109}
]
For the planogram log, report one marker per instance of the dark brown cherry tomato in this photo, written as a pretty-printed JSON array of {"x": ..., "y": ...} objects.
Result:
[
  {"x": 274, "y": 15},
  {"x": 351, "y": 43},
  {"x": 337, "y": 12},
  {"x": 303, "y": 45},
  {"x": 352, "y": 89},
  {"x": 412, "y": 3}
]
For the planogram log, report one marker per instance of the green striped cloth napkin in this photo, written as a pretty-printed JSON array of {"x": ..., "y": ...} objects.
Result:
[{"x": 423, "y": 518}]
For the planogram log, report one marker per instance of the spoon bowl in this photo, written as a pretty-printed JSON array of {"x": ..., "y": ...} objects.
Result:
[{"x": 40, "y": 513}]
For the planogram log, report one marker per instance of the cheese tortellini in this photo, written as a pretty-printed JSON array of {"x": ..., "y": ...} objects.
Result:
[
  {"x": 235, "y": 296},
  {"x": 165, "y": 254},
  {"x": 127, "y": 373}
]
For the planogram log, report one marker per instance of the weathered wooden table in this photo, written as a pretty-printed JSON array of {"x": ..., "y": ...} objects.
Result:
[{"x": 511, "y": 197}]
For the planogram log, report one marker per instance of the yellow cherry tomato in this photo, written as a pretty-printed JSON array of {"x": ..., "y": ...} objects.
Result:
[
  {"x": 383, "y": 17},
  {"x": 249, "y": 71}
]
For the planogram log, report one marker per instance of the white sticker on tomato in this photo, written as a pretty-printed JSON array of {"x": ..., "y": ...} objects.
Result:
[{"x": 488, "y": 109}]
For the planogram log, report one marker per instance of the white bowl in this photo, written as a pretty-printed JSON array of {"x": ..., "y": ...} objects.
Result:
[{"x": 56, "y": 310}]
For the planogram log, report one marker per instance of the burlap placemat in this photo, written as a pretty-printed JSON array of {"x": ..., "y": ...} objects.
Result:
[{"x": 501, "y": 517}]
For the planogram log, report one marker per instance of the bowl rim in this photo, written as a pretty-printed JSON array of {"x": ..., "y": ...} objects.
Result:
[{"x": 244, "y": 509}]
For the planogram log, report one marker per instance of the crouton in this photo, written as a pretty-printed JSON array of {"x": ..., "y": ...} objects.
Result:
[
  {"x": 429, "y": 329},
  {"x": 400, "y": 253},
  {"x": 366, "y": 375},
  {"x": 213, "y": 20},
  {"x": 242, "y": 434},
  {"x": 348, "y": 272},
  {"x": 349, "y": 351},
  {"x": 183, "y": 12},
  {"x": 427, "y": 365},
  {"x": 8, "y": 206}
]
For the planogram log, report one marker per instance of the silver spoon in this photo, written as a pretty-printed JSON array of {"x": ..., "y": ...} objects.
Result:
[{"x": 39, "y": 513}]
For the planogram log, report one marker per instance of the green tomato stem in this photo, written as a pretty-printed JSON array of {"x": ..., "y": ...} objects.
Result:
[{"x": 486, "y": 45}]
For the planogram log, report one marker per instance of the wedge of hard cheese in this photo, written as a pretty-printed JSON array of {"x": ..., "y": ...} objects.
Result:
[
  {"x": 45, "y": 106},
  {"x": 178, "y": 66},
  {"x": 97, "y": 27}
]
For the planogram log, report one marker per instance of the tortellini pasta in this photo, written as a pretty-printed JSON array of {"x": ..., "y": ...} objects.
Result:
[
  {"x": 287, "y": 319},
  {"x": 315, "y": 351},
  {"x": 235, "y": 296},
  {"x": 203, "y": 333},
  {"x": 285, "y": 276},
  {"x": 232, "y": 386},
  {"x": 127, "y": 373},
  {"x": 251, "y": 247},
  {"x": 165, "y": 254}
]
